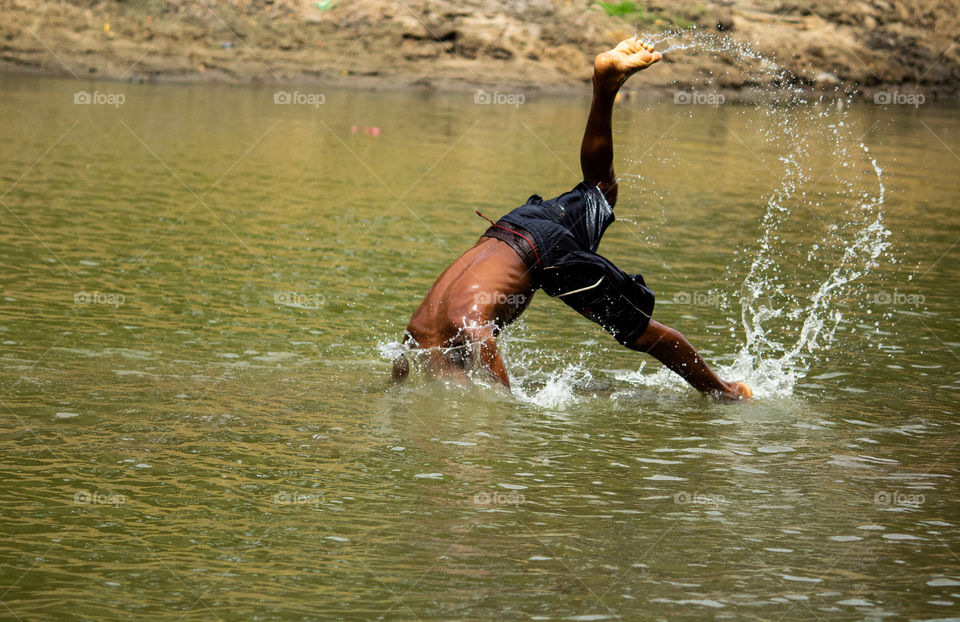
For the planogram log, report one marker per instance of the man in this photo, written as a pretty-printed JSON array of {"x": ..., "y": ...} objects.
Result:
[{"x": 552, "y": 245}]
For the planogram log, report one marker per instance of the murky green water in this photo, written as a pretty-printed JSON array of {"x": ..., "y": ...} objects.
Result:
[{"x": 197, "y": 422}]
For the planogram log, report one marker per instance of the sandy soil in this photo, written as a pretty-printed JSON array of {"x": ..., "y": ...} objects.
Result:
[{"x": 869, "y": 45}]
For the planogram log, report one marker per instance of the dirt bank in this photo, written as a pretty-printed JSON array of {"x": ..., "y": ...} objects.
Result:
[{"x": 898, "y": 45}]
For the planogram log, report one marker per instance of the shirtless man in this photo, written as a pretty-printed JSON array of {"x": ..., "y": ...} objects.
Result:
[{"x": 552, "y": 245}]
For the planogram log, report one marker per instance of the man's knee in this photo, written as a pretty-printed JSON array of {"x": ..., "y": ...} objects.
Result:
[
  {"x": 627, "y": 340},
  {"x": 656, "y": 333}
]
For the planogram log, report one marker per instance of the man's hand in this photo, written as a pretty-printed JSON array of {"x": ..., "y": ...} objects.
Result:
[{"x": 630, "y": 56}]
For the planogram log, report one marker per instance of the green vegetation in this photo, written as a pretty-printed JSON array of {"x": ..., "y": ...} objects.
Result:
[
  {"x": 621, "y": 9},
  {"x": 638, "y": 15}
]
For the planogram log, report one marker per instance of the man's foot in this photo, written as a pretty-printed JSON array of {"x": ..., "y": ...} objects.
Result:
[
  {"x": 611, "y": 69},
  {"x": 736, "y": 392}
]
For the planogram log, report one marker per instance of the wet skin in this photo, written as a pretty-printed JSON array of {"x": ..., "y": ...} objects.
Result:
[
  {"x": 489, "y": 286},
  {"x": 481, "y": 292}
]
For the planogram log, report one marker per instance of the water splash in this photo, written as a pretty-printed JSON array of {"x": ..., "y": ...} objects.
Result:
[
  {"x": 773, "y": 304},
  {"x": 699, "y": 39},
  {"x": 821, "y": 233},
  {"x": 761, "y": 69},
  {"x": 559, "y": 392}
]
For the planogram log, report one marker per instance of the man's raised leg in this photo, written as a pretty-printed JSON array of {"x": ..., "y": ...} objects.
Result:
[{"x": 610, "y": 70}]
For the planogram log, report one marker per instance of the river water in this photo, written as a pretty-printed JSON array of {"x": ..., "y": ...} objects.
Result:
[{"x": 200, "y": 287}]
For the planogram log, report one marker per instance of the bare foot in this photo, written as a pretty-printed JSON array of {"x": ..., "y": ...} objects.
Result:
[
  {"x": 736, "y": 392},
  {"x": 630, "y": 56}
]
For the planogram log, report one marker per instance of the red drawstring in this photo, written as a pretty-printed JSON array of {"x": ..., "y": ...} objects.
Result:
[
  {"x": 532, "y": 245},
  {"x": 485, "y": 218}
]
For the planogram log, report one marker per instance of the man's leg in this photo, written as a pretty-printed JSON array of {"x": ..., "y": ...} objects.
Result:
[
  {"x": 610, "y": 70},
  {"x": 673, "y": 350}
]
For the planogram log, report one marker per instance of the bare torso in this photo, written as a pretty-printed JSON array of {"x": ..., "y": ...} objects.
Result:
[{"x": 488, "y": 286}]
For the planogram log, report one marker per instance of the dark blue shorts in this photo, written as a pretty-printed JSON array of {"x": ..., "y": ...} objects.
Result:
[
  {"x": 599, "y": 290},
  {"x": 558, "y": 239}
]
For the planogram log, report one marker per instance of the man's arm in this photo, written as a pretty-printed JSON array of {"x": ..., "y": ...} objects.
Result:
[
  {"x": 610, "y": 70},
  {"x": 489, "y": 353}
]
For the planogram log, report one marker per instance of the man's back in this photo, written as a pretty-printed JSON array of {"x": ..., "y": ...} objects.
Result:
[{"x": 485, "y": 289}]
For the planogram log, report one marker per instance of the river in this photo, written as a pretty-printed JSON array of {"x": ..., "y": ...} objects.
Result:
[{"x": 200, "y": 283}]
